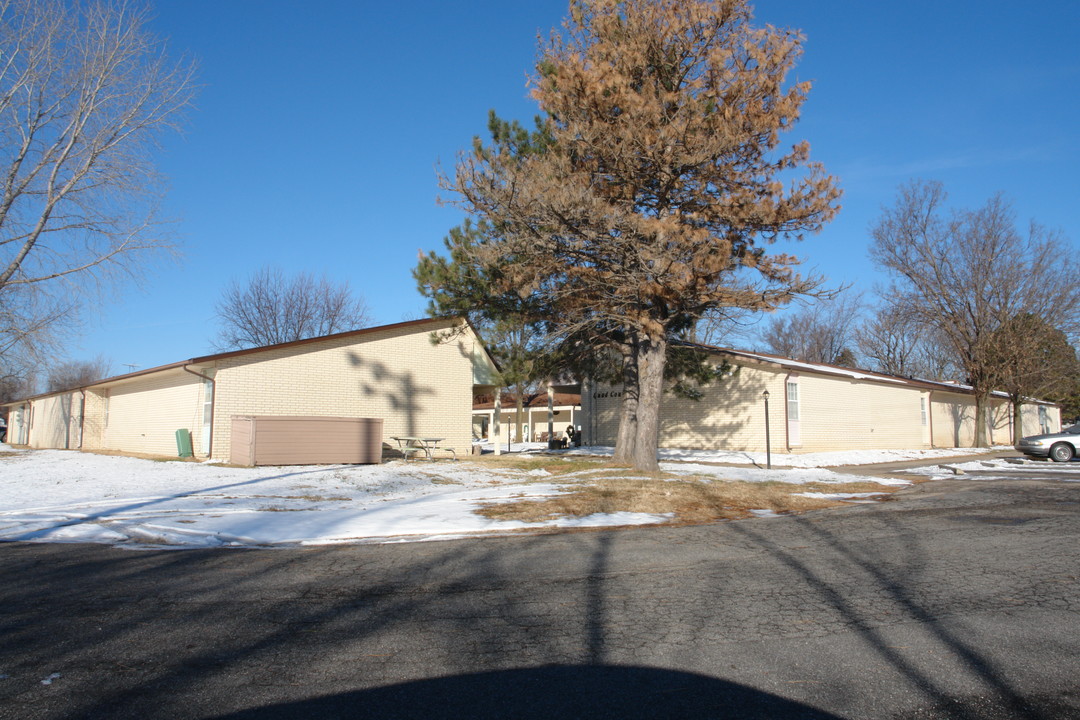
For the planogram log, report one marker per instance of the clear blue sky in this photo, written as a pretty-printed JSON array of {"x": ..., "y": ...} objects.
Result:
[{"x": 317, "y": 134}]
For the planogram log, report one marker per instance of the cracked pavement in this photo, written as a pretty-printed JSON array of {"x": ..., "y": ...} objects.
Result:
[{"x": 957, "y": 599}]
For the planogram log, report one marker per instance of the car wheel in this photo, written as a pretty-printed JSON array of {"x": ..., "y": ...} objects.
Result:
[{"x": 1061, "y": 452}]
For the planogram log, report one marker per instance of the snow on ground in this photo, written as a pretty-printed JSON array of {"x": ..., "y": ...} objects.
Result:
[
  {"x": 807, "y": 460},
  {"x": 795, "y": 476},
  {"x": 69, "y": 496},
  {"x": 1069, "y": 472},
  {"x": 804, "y": 460},
  {"x": 851, "y": 497},
  {"x": 65, "y": 496}
]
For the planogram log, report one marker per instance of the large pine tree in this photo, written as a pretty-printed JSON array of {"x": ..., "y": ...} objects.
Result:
[{"x": 659, "y": 187}]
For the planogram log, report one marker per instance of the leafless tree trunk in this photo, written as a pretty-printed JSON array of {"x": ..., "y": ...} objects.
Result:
[
  {"x": 85, "y": 95},
  {"x": 271, "y": 308}
]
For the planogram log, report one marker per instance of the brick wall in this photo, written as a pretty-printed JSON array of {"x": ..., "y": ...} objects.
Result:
[
  {"x": 730, "y": 415},
  {"x": 954, "y": 420},
  {"x": 142, "y": 415},
  {"x": 57, "y": 421},
  {"x": 835, "y": 413},
  {"x": 840, "y": 413}
]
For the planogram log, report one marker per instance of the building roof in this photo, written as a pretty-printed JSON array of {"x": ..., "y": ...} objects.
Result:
[
  {"x": 853, "y": 373},
  {"x": 247, "y": 351}
]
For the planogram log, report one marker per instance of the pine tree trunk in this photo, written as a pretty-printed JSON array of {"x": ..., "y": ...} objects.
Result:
[
  {"x": 626, "y": 439},
  {"x": 652, "y": 355}
]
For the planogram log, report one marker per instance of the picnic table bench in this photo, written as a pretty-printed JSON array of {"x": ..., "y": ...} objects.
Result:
[{"x": 411, "y": 446}]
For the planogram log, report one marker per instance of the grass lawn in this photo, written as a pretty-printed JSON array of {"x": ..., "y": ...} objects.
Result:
[{"x": 595, "y": 486}]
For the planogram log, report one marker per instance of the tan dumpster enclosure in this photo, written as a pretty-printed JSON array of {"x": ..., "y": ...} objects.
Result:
[{"x": 291, "y": 440}]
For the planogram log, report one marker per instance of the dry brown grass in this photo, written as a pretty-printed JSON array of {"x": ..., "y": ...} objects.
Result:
[
  {"x": 552, "y": 464},
  {"x": 141, "y": 456},
  {"x": 689, "y": 501}
]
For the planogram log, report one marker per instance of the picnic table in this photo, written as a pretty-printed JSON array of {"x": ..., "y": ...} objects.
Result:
[{"x": 411, "y": 446}]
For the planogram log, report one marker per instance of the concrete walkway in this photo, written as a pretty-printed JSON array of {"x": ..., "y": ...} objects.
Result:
[{"x": 901, "y": 465}]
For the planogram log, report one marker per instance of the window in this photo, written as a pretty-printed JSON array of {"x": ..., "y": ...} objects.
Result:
[
  {"x": 794, "y": 426},
  {"x": 208, "y": 415},
  {"x": 922, "y": 408}
]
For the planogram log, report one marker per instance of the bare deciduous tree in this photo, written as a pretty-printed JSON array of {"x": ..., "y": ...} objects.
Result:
[
  {"x": 271, "y": 308},
  {"x": 1034, "y": 359},
  {"x": 17, "y": 378},
  {"x": 823, "y": 332},
  {"x": 895, "y": 342},
  {"x": 86, "y": 92},
  {"x": 968, "y": 273},
  {"x": 657, "y": 186},
  {"x": 76, "y": 373},
  {"x": 725, "y": 327}
]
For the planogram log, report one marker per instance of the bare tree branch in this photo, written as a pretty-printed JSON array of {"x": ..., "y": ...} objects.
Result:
[
  {"x": 271, "y": 308},
  {"x": 823, "y": 332},
  {"x": 73, "y": 374},
  {"x": 86, "y": 93}
]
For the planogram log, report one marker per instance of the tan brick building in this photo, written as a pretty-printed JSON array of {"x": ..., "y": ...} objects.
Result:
[
  {"x": 817, "y": 408},
  {"x": 419, "y": 388},
  {"x": 394, "y": 372}
]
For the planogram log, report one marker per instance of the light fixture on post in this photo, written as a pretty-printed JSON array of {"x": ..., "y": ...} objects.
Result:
[{"x": 768, "y": 447}]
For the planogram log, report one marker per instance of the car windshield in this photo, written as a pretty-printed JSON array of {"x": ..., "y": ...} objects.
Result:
[{"x": 1072, "y": 429}]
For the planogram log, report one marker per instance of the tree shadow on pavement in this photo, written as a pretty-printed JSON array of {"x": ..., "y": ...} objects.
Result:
[
  {"x": 1003, "y": 700},
  {"x": 547, "y": 626}
]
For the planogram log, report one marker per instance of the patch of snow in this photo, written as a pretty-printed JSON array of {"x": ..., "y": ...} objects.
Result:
[
  {"x": 764, "y": 513},
  {"x": 69, "y": 496},
  {"x": 838, "y": 496},
  {"x": 1012, "y": 465},
  {"x": 793, "y": 476},
  {"x": 804, "y": 460}
]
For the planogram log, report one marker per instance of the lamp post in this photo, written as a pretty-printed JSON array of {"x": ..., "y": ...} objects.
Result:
[{"x": 768, "y": 446}]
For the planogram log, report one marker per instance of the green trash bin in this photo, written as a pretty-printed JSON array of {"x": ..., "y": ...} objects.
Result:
[{"x": 183, "y": 443}]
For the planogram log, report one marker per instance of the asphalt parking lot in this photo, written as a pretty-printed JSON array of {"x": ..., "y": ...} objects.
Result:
[{"x": 956, "y": 600}]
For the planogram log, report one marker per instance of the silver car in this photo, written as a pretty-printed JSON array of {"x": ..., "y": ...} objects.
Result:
[{"x": 1059, "y": 447}]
